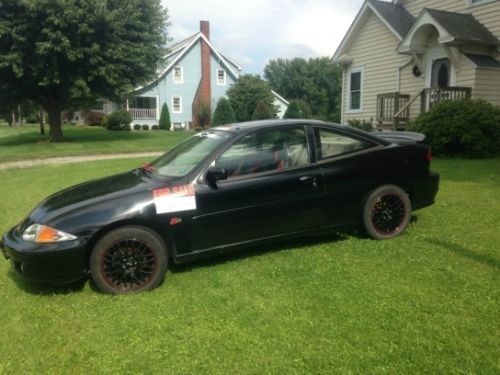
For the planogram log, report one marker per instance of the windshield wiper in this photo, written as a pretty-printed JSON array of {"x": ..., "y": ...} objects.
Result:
[{"x": 149, "y": 168}]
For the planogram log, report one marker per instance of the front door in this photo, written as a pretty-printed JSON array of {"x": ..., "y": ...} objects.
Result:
[
  {"x": 272, "y": 189},
  {"x": 441, "y": 73}
]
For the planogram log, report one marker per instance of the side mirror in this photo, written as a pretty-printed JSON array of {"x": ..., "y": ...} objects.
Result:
[{"x": 214, "y": 174}]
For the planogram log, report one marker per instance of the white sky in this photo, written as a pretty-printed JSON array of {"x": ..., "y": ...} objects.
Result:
[{"x": 253, "y": 32}]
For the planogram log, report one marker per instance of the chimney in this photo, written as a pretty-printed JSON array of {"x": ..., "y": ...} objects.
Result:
[{"x": 205, "y": 28}]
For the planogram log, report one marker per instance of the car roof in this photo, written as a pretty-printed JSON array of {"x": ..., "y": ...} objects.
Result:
[{"x": 244, "y": 126}]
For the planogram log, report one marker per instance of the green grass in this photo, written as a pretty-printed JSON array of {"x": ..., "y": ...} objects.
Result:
[
  {"x": 426, "y": 302},
  {"x": 25, "y": 142}
]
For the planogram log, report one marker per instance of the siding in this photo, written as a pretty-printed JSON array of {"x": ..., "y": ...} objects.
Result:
[
  {"x": 374, "y": 50},
  {"x": 488, "y": 14},
  {"x": 488, "y": 85}
]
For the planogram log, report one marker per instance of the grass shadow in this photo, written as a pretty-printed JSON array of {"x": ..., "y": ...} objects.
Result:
[
  {"x": 466, "y": 253},
  {"x": 259, "y": 250},
  {"x": 44, "y": 289}
]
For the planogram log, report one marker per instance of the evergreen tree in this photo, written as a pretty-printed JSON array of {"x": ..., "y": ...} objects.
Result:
[
  {"x": 165, "y": 117},
  {"x": 224, "y": 113},
  {"x": 263, "y": 111}
]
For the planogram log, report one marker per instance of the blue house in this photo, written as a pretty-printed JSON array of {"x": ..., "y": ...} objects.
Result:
[{"x": 183, "y": 85}]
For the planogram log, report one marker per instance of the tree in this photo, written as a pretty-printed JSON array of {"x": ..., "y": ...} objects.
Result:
[
  {"x": 224, "y": 113},
  {"x": 64, "y": 53},
  {"x": 316, "y": 81},
  {"x": 263, "y": 111},
  {"x": 298, "y": 109},
  {"x": 246, "y": 93},
  {"x": 165, "y": 122}
]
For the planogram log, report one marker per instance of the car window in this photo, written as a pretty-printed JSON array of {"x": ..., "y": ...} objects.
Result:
[
  {"x": 330, "y": 144},
  {"x": 266, "y": 150},
  {"x": 182, "y": 159}
]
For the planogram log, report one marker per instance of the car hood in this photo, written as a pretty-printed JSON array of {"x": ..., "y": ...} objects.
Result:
[{"x": 96, "y": 202}]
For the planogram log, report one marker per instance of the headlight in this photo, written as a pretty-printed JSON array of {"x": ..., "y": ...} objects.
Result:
[{"x": 43, "y": 234}]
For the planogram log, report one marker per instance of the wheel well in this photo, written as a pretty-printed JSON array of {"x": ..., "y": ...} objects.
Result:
[{"x": 165, "y": 235}]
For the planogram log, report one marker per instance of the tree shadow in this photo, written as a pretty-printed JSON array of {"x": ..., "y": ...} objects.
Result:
[
  {"x": 466, "y": 253},
  {"x": 45, "y": 289}
]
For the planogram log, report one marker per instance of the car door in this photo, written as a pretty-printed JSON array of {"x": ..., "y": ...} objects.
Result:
[
  {"x": 350, "y": 165},
  {"x": 272, "y": 189}
]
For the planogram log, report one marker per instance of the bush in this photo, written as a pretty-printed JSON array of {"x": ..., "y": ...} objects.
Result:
[
  {"x": 94, "y": 118},
  {"x": 224, "y": 113},
  {"x": 145, "y": 127},
  {"x": 367, "y": 126},
  {"x": 165, "y": 117},
  {"x": 119, "y": 120},
  {"x": 263, "y": 111},
  {"x": 298, "y": 109},
  {"x": 137, "y": 127},
  {"x": 469, "y": 128},
  {"x": 155, "y": 127}
]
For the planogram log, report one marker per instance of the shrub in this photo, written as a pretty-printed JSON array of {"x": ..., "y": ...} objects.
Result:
[
  {"x": 145, "y": 127},
  {"x": 469, "y": 128},
  {"x": 137, "y": 127},
  {"x": 165, "y": 117},
  {"x": 94, "y": 118},
  {"x": 263, "y": 111},
  {"x": 155, "y": 127},
  {"x": 119, "y": 120},
  {"x": 203, "y": 113},
  {"x": 224, "y": 113},
  {"x": 367, "y": 126},
  {"x": 298, "y": 109}
]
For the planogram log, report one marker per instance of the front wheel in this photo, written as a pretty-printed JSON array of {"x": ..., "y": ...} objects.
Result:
[
  {"x": 128, "y": 259},
  {"x": 386, "y": 212}
]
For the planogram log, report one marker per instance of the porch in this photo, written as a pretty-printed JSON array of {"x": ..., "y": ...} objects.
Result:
[{"x": 394, "y": 109}]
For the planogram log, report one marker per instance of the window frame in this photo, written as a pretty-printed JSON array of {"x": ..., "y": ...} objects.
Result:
[
  {"x": 174, "y": 77},
  {"x": 474, "y": 3},
  {"x": 173, "y": 103},
  {"x": 356, "y": 70},
  {"x": 224, "y": 81}
]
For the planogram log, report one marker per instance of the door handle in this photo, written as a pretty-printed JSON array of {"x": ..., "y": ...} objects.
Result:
[{"x": 307, "y": 179}]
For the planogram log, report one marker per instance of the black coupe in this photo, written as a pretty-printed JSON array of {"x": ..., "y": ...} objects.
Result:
[{"x": 222, "y": 189}]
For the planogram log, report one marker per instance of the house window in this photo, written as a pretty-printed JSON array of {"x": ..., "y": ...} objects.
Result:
[
  {"x": 355, "y": 90},
  {"x": 176, "y": 104},
  {"x": 178, "y": 74},
  {"x": 221, "y": 77}
]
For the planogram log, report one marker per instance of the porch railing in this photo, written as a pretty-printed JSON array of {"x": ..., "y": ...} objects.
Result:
[
  {"x": 142, "y": 113},
  {"x": 432, "y": 96},
  {"x": 390, "y": 104}
]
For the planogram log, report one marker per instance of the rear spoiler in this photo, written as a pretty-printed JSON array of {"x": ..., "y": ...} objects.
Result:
[{"x": 401, "y": 137}]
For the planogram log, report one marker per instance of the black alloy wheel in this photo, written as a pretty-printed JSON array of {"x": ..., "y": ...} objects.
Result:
[
  {"x": 386, "y": 212},
  {"x": 128, "y": 259}
]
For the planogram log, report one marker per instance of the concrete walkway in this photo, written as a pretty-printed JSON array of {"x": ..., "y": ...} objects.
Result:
[{"x": 76, "y": 159}]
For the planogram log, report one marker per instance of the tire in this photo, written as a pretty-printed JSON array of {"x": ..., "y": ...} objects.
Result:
[
  {"x": 386, "y": 212},
  {"x": 129, "y": 259}
]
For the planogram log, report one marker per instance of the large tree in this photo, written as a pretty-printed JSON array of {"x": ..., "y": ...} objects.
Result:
[
  {"x": 63, "y": 53},
  {"x": 316, "y": 81},
  {"x": 246, "y": 93}
]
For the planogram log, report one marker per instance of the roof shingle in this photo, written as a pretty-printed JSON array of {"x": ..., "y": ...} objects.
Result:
[{"x": 395, "y": 15}]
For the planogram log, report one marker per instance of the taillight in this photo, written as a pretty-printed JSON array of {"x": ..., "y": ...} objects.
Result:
[{"x": 428, "y": 156}]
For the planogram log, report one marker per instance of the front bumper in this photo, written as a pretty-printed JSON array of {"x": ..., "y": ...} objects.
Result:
[{"x": 56, "y": 263}]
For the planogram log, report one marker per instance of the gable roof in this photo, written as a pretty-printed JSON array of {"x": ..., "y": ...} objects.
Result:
[
  {"x": 180, "y": 49},
  {"x": 483, "y": 61},
  {"x": 462, "y": 26},
  {"x": 397, "y": 19}
]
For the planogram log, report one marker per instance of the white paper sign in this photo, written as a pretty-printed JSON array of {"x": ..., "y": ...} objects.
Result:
[{"x": 174, "y": 199}]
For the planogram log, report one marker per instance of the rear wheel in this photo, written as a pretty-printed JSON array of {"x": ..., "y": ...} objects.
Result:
[
  {"x": 386, "y": 212},
  {"x": 128, "y": 260}
]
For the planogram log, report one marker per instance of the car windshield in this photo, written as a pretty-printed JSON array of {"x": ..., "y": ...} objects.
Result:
[{"x": 185, "y": 157}]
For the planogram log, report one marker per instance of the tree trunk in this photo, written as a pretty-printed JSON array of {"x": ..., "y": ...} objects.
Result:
[
  {"x": 55, "y": 131},
  {"x": 42, "y": 122},
  {"x": 13, "y": 118}
]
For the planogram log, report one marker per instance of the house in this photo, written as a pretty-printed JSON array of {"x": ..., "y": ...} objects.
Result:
[
  {"x": 280, "y": 103},
  {"x": 399, "y": 58},
  {"x": 197, "y": 73}
]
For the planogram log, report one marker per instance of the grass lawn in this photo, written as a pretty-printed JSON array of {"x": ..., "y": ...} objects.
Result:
[
  {"x": 426, "y": 302},
  {"x": 25, "y": 142}
]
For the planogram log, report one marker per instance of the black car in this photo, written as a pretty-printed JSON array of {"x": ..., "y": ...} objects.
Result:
[{"x": 222, "y": 189}]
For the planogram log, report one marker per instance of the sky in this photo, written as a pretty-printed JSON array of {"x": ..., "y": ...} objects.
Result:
[{"x": 252, "y": 32}]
